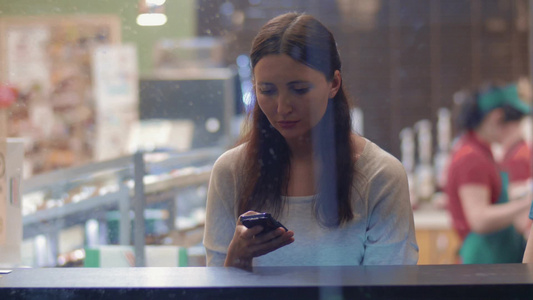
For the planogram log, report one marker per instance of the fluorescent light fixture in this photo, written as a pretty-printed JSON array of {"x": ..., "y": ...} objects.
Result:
[
  {"x": 151, "y": 19},
  {"x": 155, "y": 2}
]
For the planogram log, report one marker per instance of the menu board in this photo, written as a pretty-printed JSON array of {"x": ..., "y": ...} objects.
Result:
[{"x": 49, "y": 60}]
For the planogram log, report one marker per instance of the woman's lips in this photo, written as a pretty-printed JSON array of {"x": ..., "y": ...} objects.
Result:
[{"x": 287, "y": 124}]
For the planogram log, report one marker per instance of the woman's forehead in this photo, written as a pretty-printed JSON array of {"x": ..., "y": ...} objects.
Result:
[{"x": 281, "y": 67}]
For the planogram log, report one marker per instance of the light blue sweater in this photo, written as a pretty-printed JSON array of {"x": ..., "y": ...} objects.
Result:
[{"x": 382, "y": 232}]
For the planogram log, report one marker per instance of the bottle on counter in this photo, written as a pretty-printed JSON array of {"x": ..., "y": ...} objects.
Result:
[
  {"x": 407, "y": 147},
  {"x": 424, "y": 176},
  {"x": 444, "y": 134}
]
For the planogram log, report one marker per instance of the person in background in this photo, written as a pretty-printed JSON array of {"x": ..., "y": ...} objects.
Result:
[
  {"x": 528, "y": 254},
  {"x": 516, "y": 160},
  {"x": 477, "y": 191},
  {"x": 516, "y": 164},
  {"x": 344, "y": 200}
]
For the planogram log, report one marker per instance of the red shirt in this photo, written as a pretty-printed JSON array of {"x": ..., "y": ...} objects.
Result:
[
  {"x": 472, "y": 162},
  {"x": 517, "y": 162}
]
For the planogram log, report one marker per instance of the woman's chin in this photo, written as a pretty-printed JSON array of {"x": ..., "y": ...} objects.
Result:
[{"x": 297, "y": 136}]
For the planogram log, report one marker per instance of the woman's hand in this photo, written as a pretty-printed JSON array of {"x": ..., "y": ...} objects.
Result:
[{"x": 248, "y": 243}]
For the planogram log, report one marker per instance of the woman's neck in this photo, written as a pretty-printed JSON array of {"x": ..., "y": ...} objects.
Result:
[
  {"x": 302, "y": 168},
  {"x": 301, "y": 148}
]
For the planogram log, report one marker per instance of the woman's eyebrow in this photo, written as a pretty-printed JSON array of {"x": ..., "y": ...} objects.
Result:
[
  {"x": 265, "y": 83},
  {"x": 262, "y": 83},
  {"x": 297, "y": 82}
]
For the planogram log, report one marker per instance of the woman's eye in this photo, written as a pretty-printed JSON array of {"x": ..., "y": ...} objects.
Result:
[
  {"x": 301, "y": 91},
  {"x": 267, "y": 92}
]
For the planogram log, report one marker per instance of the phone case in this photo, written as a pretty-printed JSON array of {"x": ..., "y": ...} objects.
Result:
[{"x": 264, "y": 219}]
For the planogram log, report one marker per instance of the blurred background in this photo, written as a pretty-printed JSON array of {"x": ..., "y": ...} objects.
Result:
[{"x": 115, "y": 111}]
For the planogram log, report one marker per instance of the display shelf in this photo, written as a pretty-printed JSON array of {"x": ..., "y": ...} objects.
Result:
[
  {"x": 68, "y": 175},
  {"x": 195, "y": 178},
  {"x": 111, "y": 186},
  {"x": 189, "y": 169},
  {"x": 100, "y": 202}
]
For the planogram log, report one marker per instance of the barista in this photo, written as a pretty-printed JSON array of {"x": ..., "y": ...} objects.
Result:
[
  {"x": 516, "y": 163},
  {"x": 481, "y": 212}
]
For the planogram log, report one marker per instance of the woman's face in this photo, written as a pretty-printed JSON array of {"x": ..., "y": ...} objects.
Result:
[
  {"x": 292, "y": 95},
  {"x": 496, "y": 130},
  {"x": 510, "y": 132}
]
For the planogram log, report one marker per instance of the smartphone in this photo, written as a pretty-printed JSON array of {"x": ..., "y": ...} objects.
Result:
[{"x": 264, "y": 219}]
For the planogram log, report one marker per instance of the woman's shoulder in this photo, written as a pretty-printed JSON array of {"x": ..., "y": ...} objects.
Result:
[
  {"x": 231, "y": 154},
  {"x": 468, "y": 156},
  {"x": 381, "y": 177},
  {"x": 230, "y": 159},
  {"x": 375, "y": 161}
]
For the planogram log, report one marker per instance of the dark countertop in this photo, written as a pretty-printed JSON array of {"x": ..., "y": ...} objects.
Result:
[{"x": 511, "y": 281}]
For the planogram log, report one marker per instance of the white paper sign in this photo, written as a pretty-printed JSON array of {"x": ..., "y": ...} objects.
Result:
[
  {"x": 116, "y": 88},
  {"x": 3, "y": 193},
  {"x": 27, "y": 59},
  {"x": 10, "y": 203}
]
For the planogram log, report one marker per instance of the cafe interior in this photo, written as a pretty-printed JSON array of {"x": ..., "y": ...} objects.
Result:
[{"x": 113, "y": 113}]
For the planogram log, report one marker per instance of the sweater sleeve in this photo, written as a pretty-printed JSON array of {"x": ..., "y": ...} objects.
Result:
[
  {"x": 390, "y": 233},
  {"x": 220, "y": 213}
]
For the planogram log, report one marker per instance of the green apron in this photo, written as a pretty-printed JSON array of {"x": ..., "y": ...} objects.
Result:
[{"x": 504, "y": 246}]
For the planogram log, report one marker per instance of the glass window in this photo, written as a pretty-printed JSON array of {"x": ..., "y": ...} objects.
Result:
[{"x": 115, "y": 112}]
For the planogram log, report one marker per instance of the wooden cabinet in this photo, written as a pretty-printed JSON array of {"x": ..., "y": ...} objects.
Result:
[
  {"x": 437, "y": 241},
  {"x": 437, "y": 246}
]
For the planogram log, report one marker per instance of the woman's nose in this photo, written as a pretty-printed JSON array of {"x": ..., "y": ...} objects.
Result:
[{"x": 284, "y": 105}]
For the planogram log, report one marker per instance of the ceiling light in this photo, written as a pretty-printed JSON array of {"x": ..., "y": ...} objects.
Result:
[
  {"x": 151, "y": 13},
  {"x": 151, "y": 19}
]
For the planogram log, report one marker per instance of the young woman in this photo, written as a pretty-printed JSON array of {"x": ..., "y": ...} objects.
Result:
[
  {"x": 344, "y": 200},
  {"x": 516, "y": 163},
  {"x": 477, "y": 191}
]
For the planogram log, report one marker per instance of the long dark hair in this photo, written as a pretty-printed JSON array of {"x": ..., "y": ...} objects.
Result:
[{"x": 267, "y": 155}]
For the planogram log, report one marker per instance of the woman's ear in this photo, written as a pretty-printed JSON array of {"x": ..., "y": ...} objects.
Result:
[{"x": 335, "y": 84}]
